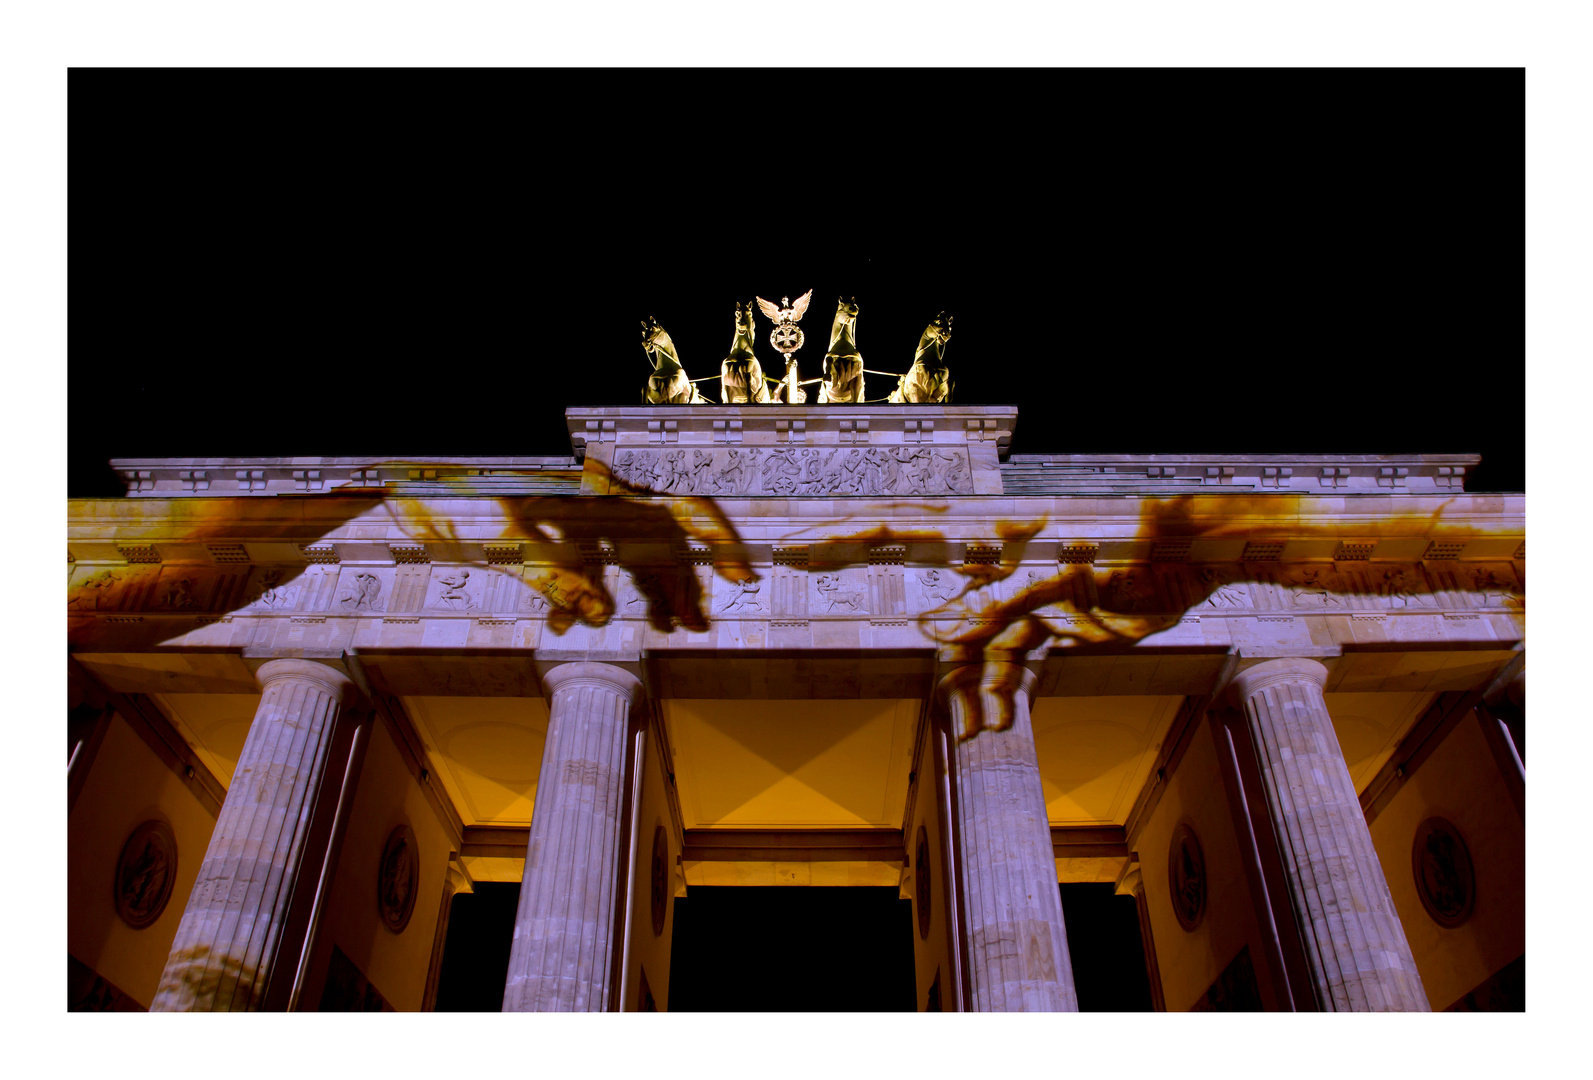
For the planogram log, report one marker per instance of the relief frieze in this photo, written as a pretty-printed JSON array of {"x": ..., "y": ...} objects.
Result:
[
  {"x": 873, "y": 470},
  {"x": 886, "y": 591}
]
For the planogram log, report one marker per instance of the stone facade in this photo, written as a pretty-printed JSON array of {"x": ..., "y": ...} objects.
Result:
[{"x": 555, "y": 611}]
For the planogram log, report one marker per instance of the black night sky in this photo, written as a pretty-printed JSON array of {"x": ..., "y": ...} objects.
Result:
[
  {"x": 410, "y": 263},
  {"x": 439, "y": 263}
]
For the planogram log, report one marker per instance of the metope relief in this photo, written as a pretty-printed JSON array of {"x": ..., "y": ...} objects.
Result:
[
  {"x": 1494, "y": 587},
  {"x": 1221, "y": 590},
  {"x": 360, "y": 590},
  {"x": 746, "y": 597},
  {"x": 873, "y": 470},
  {"x": 272, "y": 591},
  {"x": 937, "y": 587},
  {"x": 839, "y": 593},
  {"x": 455, "y": 588}
]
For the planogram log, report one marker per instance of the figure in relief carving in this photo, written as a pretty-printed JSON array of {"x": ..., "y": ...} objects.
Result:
[
  {"x": 812, "y": 477},
  {"x": 832, "y": 588},
  {"x": 1220, "y": 591},
  {"x": 1400, "y": 590},
  {"x": 780, "y": 472},
  {"x": 1123, "y": 592},
  {"x": 668, "y": 384},
  {"x": 94, "y": 588},
  {"x": 741, "y": 379},
  {"x": 180, "y": 594},
  {"x": 623, "y": 461},
  {"x": 876, "y": 463},
  {"x": 733, "y": 478},
  {"x": 1491, "y": 589},
  {"x": 920, "y": 471},
  {"x": 702, "y": 477},
  {"x": 1313, "y": 586},
  {"x": 843, "y": 364},
  {"x": 953, "y": 469},
  {"x": 927, "y": 382},
  {"x": 363, "y": 596},
  {"x": 848, "y": 472},
  {"x": 745, "y": 598},
  {"x": 676, "y": 478},
  {"x": 453, "y": 594},
  {"x": 272, "y": 592}
]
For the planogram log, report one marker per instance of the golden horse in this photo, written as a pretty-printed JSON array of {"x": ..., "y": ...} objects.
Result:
[
  {"x": 741, "y": 380},
  {"x": 668, "y": 384},
  {"x": 843, "y": 364},
  {"x": 927, "y": 382}
]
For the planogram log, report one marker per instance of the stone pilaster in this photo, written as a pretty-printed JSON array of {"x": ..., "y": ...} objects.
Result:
[
  {"x": 1132, "y": 883},
  {"x": 1017, "y": 948},
  {"x": 1353, "y": 940},
  {"x": 562, "y": 953},
  {"x": 227, "y": 941},
  {"x": 456, "y": 882}
]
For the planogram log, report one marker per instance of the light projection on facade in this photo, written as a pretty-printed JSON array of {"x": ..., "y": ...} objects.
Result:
[{"x": 983, "y": 621}]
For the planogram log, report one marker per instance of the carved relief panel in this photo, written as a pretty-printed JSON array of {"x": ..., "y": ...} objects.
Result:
[
  {"x": 363, "y": 590},
  {"x": 786, "y": 471},
  {"x": 839, "y": 592},
  {"x": 455, "y": 588},
  {"x": 106, "y": 589},
  {"x": 273, "y": 588},
  {"x": 744, "y": 598}
]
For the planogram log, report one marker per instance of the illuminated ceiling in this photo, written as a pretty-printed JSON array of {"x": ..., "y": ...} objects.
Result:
[
  {"x": 814, "y": 763},
  {"x": 799, "y": 764},
  {"x": 1369, "y": 727},
  {"x": 1096, "y": 753},
  {"x": 488, "y": 751},
  {"x": 214, "y": 725}
]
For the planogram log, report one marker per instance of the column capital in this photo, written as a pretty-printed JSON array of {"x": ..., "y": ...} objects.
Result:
[
  {"x": 593, "y": 673},
  {"x": 1286, "y": 670},
  {"x": 325, "y": 676},
  {"x": 1130, "y": 881}
]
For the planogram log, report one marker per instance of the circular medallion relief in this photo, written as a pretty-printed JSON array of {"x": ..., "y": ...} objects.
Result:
[
  {"x": 398, "y": 879},
  {"x": 145, "y": 873},
  {"x": 1445, "y": 880},
  {"x": 660, "y": 879},
  {"x": 921, "y": 895},
  {"x": 1186, "y": 875}
]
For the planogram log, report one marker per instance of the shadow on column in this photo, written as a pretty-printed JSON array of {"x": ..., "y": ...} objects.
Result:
[
  {"x": 1104, "y": 943},
  {"x": 792, "y": 949}
]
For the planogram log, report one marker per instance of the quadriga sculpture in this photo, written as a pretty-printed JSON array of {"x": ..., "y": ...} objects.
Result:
[
  {"x": 668, "y": 384},
  {"x": 741, "y": 379},
  {"x": 843, "y": 364},
  {"x": 927, "y": 382}
]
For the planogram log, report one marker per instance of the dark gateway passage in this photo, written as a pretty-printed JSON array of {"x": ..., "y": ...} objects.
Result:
[
  {"x": 1104, "y": 945},
  {"x": 785, "y": 949},
  {"x": 742, "y": 949},
  {"x": 475, "y": 963}
]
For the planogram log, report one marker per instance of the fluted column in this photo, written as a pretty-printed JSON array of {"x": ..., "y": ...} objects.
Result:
[
  {"x": 1017, "y": 947},
  {"x": 563, "y": 931},
  {"x": 1354, "y": 943},
  {"x": 230, "y": 930}
]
